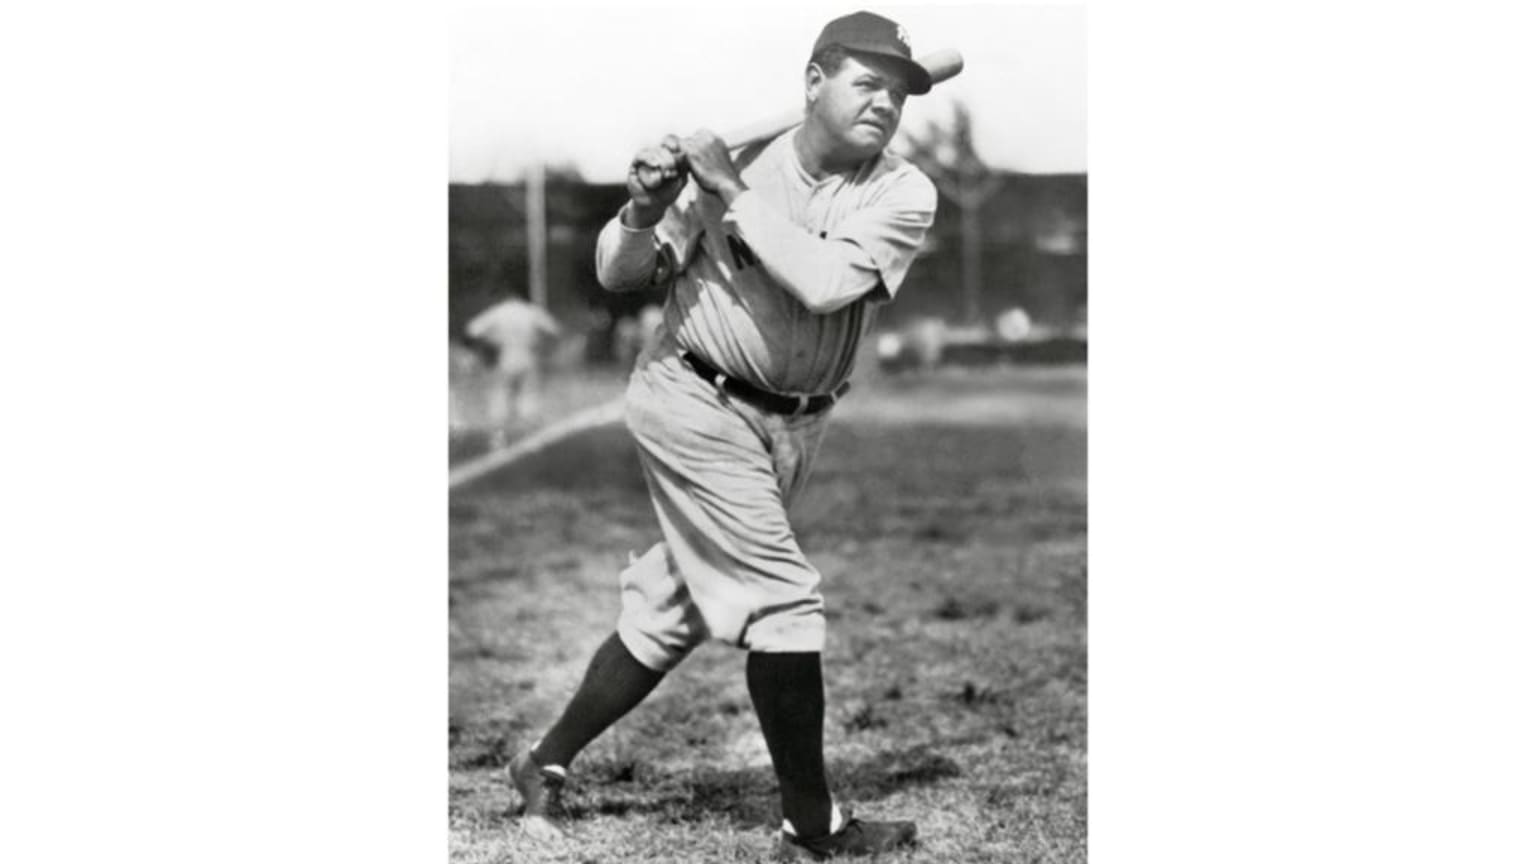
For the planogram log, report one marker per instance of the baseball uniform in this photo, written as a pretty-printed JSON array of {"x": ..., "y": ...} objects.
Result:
[
  {"x": 515, "y": 327},
  {"x": 772, "y": 294},
  {"x": 776, "y": 262}
]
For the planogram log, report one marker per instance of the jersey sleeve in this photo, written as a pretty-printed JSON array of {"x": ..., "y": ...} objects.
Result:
[
  {"x": 545, "y": 322},
  {"x": 632, "y": 258},
  {"x": 865, "y": 256},
  {"x": 890, "y": 232},
  {"x": 480, "y": 326}
]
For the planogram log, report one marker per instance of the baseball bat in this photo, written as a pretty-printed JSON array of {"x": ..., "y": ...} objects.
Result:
[{"x": 941, "y": 66}]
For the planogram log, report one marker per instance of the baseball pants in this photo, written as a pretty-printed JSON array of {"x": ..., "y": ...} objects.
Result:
[{"x": 721, "y": 474}]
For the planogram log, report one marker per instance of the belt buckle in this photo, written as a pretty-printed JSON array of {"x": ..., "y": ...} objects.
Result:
[{"x": 802, "y": 402}]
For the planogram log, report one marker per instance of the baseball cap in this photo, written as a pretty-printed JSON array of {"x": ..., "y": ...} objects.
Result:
[{"x": 868, "y": 33}]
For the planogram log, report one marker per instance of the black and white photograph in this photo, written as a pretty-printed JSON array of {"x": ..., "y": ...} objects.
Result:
[
  {"x": 765, "y": 531},
  {"x": 768, "y": 380}
]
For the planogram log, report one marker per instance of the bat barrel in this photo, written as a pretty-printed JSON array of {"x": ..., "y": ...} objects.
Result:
[{"x": 941, "y": 65}]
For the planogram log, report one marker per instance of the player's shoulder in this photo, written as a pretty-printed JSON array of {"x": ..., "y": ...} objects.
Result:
[
  {"x": 899, "y": 177},
  {"x": 514, "y": 309},
  {"x": 491, "y": 311}
]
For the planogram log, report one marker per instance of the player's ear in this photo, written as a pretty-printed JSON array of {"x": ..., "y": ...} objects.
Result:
[{"x": 814, "y": 77}]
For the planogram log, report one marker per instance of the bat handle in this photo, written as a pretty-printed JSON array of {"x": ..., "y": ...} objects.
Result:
[
  {"x": 649, "y": 177},
  {"x": 762, "y": 130},
  {"x": 735, "y": 139}
]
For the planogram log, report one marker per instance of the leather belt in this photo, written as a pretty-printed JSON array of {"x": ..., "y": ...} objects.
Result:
[{"x": 777, "y": 403}]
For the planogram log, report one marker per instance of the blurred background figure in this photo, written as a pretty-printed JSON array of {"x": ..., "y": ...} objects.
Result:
[
  {"x": 634, "y": 335},
  {"x": 926, "y": 336},
  {"x": 518, "y": 332},
  {"x": 1013, "y": 325},
  {"x": 626, "y": 341},
  {"x": 650, "y": 327}
]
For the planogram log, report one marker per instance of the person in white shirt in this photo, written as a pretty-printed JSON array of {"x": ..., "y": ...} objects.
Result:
[{"x": 517, "y": 330}]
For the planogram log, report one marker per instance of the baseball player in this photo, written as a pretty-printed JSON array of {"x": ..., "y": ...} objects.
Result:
[
  {"x": 516, "y": 329},
  {"x": 776, "y": 263}
]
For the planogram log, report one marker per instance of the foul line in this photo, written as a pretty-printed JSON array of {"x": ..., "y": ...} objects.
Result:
[{"x": 602, "y": 415}]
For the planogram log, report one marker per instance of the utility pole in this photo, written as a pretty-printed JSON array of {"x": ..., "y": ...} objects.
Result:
[
  {"x": 970, "y": 196},
  {"x": 948, "y": 157},
  {"x": 533, "y": 183}
]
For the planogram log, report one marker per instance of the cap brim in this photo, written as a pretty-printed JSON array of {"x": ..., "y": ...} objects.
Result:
[{"x": 918, "y": 79}]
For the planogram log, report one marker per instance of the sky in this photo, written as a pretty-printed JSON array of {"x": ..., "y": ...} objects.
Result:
[{"x": 589, "y": 85}]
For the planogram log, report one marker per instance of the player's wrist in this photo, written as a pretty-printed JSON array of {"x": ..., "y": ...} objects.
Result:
[
  {"x": 639, "y": 217},
  {"x": 730, "y": 191}
]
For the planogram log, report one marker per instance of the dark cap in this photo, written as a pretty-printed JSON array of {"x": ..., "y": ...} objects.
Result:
[{"x": 868, "y": 33}]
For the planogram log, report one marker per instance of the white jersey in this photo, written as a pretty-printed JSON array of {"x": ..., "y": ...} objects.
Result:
[
  {"x": 514, "y": 326},
  {"x": 779, "y": 289}
]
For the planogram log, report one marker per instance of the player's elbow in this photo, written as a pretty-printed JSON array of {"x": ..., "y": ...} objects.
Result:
[
  {"x": 617, "y": 282},
  {"x": 841, "y": 275},
  {"x": 611, "y": 275},
  {"x": 831, "y": 294},
  {"x": 826, "y": 304}
]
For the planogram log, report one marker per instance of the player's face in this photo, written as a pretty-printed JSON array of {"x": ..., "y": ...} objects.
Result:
[{"x": 860, "y": 104}]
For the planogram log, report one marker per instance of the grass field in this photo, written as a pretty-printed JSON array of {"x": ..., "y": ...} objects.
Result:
[{"x": 948, "y": 517}]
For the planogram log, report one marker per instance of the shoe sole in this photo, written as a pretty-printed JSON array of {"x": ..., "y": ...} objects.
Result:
[
  {"x": 787, "y": 851},
  {"x": 538, "y": 825}
]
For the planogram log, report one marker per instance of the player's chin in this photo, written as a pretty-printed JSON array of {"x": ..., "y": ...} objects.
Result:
[{"x": 869, "y": 139}]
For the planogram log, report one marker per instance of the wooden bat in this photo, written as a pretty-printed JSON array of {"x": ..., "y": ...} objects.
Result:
[{"x": 941, "y": 66}]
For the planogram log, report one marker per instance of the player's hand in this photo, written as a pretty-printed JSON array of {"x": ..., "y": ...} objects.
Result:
[
  {"x": 657, "y": 176},
  {"x": 710, "y": 164}
]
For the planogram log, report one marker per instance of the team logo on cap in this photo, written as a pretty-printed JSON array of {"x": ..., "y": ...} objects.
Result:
[{"x": 901, "y": 36}]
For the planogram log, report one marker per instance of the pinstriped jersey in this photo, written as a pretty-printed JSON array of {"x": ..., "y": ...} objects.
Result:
[{"x": 724, "y": 304}]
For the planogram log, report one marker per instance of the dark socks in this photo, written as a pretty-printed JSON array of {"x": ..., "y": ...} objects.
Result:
[
  {"x": 787, "y": 695},
  {"x": 615, "y": 682}
]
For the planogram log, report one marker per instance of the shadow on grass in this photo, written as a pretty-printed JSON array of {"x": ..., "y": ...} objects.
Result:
[{"x": 748, "y": 798}]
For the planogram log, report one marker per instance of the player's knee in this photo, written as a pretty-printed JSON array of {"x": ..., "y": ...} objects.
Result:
[
  {"x": 797, "y": 626},
  {"x": 660, "y": 637},
  {"x": 657, "y": 651}
]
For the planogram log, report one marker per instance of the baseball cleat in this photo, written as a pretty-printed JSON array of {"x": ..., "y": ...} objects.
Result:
[
  {"x": 542, "y": 791},
  {"x": 857, "y": 837}
]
